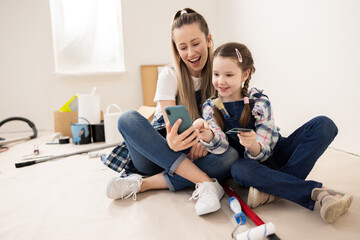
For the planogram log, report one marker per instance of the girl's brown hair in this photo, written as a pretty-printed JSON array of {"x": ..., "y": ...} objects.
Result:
[
  {"x": 186, "y": 89},
  {"x": 227, "y": 50}
]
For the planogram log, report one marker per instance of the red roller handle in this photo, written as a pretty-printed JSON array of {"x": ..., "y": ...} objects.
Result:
[{"x": 247, "y": 210}]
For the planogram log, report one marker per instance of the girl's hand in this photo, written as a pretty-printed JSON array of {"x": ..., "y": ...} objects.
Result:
[
  {"x": 248, "y": 140},
  {"x": 205, "y": 132},
  {"x": 197, "y": 151},
  {"x": 178, "y": 142}
]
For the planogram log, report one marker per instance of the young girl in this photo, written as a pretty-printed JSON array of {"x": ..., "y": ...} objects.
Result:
[
  {"x": 271, "y": 165},
  {"x": 179, "y": 161}
]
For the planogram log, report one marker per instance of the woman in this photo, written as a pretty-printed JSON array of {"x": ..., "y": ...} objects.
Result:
[{"x": 179, "y": 161}]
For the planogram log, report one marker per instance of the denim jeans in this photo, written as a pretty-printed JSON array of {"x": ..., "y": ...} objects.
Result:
[
  {"x": 283, "y": 174},
  {"x": 151, "y": 154}
]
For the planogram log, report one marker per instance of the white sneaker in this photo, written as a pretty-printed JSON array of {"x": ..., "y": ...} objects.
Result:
[
  {"x": 257, "y": 198},
  {"x": 124, "y": 187},
  {"x": 208, "y": 195}
]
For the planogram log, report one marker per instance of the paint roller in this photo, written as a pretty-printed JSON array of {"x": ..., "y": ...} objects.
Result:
[
  {"x": 262, "y": 230},
  {"x": 248, "y": 234},
  {"x": 257, "y": 233},
  {"x": 238, "y": 215}
]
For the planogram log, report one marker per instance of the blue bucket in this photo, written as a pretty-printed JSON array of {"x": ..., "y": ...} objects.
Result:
[{"x": 81, "y": 132}]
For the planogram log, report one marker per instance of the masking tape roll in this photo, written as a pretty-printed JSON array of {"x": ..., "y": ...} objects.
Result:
[{"x": 64, "y": 140}]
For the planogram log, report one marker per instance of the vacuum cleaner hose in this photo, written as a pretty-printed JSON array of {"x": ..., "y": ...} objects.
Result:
[{"x": 31, "y": 124}]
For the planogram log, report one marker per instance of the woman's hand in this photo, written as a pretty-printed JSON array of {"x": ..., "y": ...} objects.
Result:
[
  {"x": 205, "y": 132},
  {"x": 197, "y": 151},
  {"x": 178, "y": 142},
  {"x": 248, "y": 140}
]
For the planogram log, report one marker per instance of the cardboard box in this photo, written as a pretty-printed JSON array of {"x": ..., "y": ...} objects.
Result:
[
  {"x": 147, "y": 112},
  {"x": 62, "y": 122},
  {"x": 149, "y": 77}
]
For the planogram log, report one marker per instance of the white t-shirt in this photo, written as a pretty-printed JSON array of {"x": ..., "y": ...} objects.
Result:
[{"x": 166, "y": 88}]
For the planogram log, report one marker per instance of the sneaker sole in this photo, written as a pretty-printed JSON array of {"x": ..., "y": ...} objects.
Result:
[
  {"x": 333, "y": 210},
  {"x": 108, "y": 188}
]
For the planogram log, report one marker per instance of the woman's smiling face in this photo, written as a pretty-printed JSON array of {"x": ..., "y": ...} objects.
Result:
[{"x": 192, "y": 45}]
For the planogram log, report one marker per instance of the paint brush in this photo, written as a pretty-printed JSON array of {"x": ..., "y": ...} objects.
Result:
[{"x": 219, "y": 104}]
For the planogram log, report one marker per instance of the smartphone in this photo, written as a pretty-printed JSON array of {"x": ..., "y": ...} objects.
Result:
[
  {"x": 238, "y": 130},
  {"x": 175, "y": 112}
]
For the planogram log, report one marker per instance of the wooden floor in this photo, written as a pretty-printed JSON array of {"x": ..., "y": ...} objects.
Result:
[{"x": 65, "y": 199}]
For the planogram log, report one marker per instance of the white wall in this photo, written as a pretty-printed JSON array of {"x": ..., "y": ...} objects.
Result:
[
  {"x": 28, "y": 85},
  {"x": 306, "y": 54},
  {"x": 306, "y": 57}
]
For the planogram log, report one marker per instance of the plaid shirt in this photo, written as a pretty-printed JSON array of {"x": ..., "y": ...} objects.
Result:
[
  {"x": 119, "y": 159},
  {"x": 267, "y": 134}
]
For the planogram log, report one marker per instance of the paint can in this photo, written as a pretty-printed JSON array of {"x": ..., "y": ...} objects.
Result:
[
  {"x": 80, "y": 131},
  {"x": 98, "y": 133},
  {"x": 89, "y": 108}
]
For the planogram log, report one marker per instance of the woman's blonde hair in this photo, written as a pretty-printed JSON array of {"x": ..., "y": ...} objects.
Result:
[{"x": 186, "y": 89}]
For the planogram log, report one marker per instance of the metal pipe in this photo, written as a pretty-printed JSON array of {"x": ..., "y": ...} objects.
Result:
[{"x": 48, "y": 158}]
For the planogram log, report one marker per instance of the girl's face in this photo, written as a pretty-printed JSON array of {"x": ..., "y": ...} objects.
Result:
[
  {"x": 228, "y": 78},
  {"x": 192, "y": 45}
]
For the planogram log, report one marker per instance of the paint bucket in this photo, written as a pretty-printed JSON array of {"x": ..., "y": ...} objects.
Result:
[
  {"x": 112, "y": 134},
  {"x": 89, "y": 108},
  {"x": 80, "y": 131},
  {"x": 98, "y": 133}
]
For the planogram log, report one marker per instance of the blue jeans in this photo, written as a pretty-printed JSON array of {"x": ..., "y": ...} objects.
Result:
[
  {"x": 283, "y": 174},
  {"x": 151, "y": 154}
]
